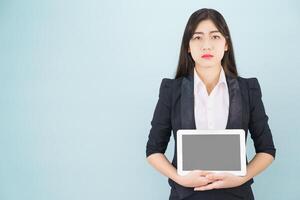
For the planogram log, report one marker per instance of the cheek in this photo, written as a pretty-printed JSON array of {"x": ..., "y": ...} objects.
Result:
[
  {"x": 195, "y": 51},
  {"x": 219, "y": 52},
  {"x": 195, "y": 55},
  {"x": 220, "y": 55}
]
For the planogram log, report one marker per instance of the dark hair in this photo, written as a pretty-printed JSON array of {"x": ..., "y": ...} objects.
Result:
[{"x": 186, "y": 63}]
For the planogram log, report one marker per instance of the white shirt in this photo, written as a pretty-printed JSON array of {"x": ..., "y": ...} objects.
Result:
[{"x": 211, "y": 111}]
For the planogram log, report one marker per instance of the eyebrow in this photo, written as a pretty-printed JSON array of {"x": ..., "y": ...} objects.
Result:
[{"x": 209, "y": 32}]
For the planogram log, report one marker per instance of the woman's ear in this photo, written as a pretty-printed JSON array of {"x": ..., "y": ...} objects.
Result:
[{"x": 226, "y": 47}]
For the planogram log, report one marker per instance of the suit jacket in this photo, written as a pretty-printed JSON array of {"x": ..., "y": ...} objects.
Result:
[{"x": 175, "y": 110}]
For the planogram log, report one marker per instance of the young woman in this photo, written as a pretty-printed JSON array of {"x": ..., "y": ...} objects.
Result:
[{"x": 207, "y": 93}]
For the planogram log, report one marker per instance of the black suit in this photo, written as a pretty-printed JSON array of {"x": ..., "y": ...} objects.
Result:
[{"x": 175, "y": 110}]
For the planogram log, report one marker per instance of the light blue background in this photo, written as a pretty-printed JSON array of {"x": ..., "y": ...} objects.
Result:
[{"x": 79, "y": 81}]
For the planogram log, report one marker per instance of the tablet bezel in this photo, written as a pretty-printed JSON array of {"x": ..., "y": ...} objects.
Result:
[{"x": 240, "y": 132}]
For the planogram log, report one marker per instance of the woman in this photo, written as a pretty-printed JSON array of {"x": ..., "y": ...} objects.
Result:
[{"x": 207, "y": 93}]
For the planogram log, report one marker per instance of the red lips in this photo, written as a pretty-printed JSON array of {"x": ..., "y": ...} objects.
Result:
[{"x": 207, "y": 56}]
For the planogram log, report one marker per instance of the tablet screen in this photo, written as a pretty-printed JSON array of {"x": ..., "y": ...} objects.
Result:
[{"x": 211, "y": 152}]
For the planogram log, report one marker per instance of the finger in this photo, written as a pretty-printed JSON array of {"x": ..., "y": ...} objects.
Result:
[
  {"x": 211, "y": 186},
  {"x": 202, "y": 180},
  {"x": 204, "y": 173},
  {"x": 216, "y": 176},
  {"x": 194, "y": 172},
  {"x": 205, "y": 187}
]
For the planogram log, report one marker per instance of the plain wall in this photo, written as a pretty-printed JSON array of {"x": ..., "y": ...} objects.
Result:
[{"x": 79, "y": 81}]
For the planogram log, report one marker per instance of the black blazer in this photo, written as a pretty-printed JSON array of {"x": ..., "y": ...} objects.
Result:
[{"x": 175, "y": 110}]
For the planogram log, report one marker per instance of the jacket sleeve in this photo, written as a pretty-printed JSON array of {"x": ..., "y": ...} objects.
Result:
[
  {"x": 258, "y": 124},
  {"x": 160, "y": 131}
]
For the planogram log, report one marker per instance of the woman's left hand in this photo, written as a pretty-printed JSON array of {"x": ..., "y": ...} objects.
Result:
[{"x": 221, "y": 180}]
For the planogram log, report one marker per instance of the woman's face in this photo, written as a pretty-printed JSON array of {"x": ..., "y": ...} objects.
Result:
[{"x": 207, "y": 45}]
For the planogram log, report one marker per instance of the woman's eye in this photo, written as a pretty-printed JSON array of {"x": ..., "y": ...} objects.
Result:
[
  {"x": 197, "y": 38},
  {"x": 215, "y": 37}
]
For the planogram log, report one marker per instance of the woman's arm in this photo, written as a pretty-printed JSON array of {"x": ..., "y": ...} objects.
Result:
[
  {"x": 162, "y": 164},
  {"x": 258, "y": 164},
  {"x": 195, "y": 178}
]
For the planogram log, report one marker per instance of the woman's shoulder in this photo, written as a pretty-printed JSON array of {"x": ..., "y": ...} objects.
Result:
[
  {"x": 251, "y": 83},
  {"x": 171, "y": 82},
  {"x": 170, "y": 88},
  {"x": 252, "y": 86}
]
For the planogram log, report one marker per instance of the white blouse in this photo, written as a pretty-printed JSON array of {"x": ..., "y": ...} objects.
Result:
[{"x": 211, "y": 111}]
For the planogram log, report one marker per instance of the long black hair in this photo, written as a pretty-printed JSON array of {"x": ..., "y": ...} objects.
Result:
[{"x": 186, "y": 63}]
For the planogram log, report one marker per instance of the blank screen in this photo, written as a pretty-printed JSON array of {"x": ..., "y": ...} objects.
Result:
[{"x": 211, "y": 152}]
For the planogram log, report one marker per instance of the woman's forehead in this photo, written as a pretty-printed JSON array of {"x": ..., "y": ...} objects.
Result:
[{"x": 206, "y": 27}]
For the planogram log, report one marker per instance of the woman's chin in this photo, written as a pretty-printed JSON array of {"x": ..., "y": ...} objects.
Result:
[{"x": 207, "y": 66}]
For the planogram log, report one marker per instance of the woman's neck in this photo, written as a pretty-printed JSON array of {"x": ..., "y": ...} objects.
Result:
[{"x": 209, "y": 76}]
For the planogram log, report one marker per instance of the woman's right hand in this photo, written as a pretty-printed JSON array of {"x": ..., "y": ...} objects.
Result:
[{"x": 194, "y": 178}]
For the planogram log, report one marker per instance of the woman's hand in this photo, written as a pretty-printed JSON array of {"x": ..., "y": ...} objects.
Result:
[
  {"x": 195, "y": 178},
  {"x": 221, "y": 180}
]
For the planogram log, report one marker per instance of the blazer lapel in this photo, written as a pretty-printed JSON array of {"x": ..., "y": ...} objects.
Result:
[
  {"x": 187, "y": 103},
  {"x": 235, "y": 104},
  {"x": 234, "y": 120}
]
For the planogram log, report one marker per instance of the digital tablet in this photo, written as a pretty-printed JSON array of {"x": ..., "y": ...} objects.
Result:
[{"x": 211, "y": 150}]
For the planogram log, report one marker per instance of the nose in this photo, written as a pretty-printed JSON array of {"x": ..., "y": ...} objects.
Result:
[{"x": 206, "y": 45}]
